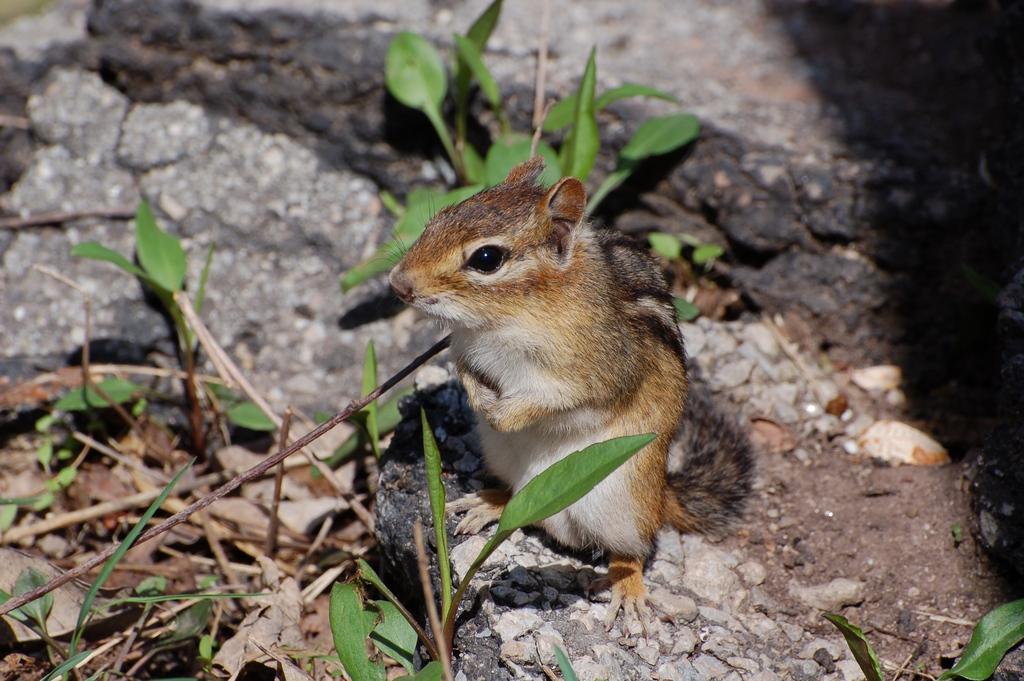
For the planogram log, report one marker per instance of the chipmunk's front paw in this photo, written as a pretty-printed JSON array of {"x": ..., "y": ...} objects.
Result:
[{"x": 482, "y": 509}]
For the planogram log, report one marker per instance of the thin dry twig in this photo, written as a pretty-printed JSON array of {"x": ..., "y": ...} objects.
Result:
[
  {"x": 138, "y": 500},
  {"x": 60, "y": 217},
  {"x": 231, "y": 373},
  {"x": 428, "y": 595},
  {"x": 120, "y": 458},
  {"x": 942, "y": 618},
  {"x": 227, "y": 488},
  {"x": 542, "y": 66},
  {"x": 19, "y": 122},
  {"x": 275, "y": 520}
]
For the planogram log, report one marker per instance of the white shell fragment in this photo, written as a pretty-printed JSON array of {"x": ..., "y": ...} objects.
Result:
[
  {"x": 897, "y": 443},
  {"x": 877, "y": 378}
]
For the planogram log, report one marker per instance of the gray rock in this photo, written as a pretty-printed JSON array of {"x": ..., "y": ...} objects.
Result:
[
  {"x": 157, "y": 134},
  {"x": 78, "y": 111},
  {"x": 830, "y": 596},
  {"x": 709, "y": 572}
]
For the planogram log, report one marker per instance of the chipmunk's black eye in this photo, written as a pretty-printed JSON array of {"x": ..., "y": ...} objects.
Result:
[{"x": 486, "y": 258}]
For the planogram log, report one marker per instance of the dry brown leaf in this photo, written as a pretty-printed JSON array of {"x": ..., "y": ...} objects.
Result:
[
  {"x": 898, "y": 443},
  {"x": 770, "y": 436},
  {"x": 18, "y": 667},
  {"x": 837, "y": 405},
  {"x": 272, "y": 624}
]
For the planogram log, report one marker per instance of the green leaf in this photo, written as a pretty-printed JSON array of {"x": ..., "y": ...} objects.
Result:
[
  {"x": 431, "y": 672},
  {"x": 39, "y": 609},
  {"x": 160, "y": 253},
  {"x": 997, "y": 632},
  {"x": 350, "y": 625},
  {"x": 631, "y": 90},
  {"x": 685, "y": 310},
  {"x": 15, "y": 614},
  {"x": 389, "y": 201},
  {"x": 80, "y": 399},
  {"x": 42, "y": 502},
  {"x": 66, "y": 476},
  {"x": 393, "y": 636},
  {"x": 470, "y": 56},
  {"x": 203, "y": 276},
  {"x": 568, "y": 673},
  {"x": 506, "y": 154},
  {"x": 862, "y": 651},
  {"x": 414, "y": 73},
  {"x": 435, "y": 491},
  {"x": 666, "y": 245},
  {"x": 561, "y": 113},
  {"x": 422, "y": 204},
  {"x": 474, "y": 164},
  {"x": 190, "y": 622},
  {"x": 248, "y": 415},
  {"x": 155, "y": 584},
  {"x": 661, "y": 135},
  {"x": 566, "y": 481},
  {"x": 481, "y": 30},
  {"x": 370, "y": 410},
  {"x": 126, "y": 543},
  {"x": 8, "y": 512},
  {"x": 44, "y": 453},
  {"x": 95, "y": 251},
  {"x": 705, "y": 254},
  {"x": 206, "y": 648},
  {"x": 44, "y": 423},
  {"x": 581, "y": 144}
]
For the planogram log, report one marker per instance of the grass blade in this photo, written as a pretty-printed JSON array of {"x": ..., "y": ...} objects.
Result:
[
  {"x": 67, "y": 666},
  {"x": 435, "y": 489},
  {"x": 95, "y": 251},
  {"x": 203, "y": 276},
  {"x": 862, "y": 651},
  {"x": 997, "y": 632},
  {"x": 568, "y": 673},
  {"x": 109, "y": 566},
  {"x": 580, "y": 147},
  {"x": 370, "y": 410}
]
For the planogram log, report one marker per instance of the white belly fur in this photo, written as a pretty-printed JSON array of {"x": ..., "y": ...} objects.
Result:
[{"x": 605, "y": 517}]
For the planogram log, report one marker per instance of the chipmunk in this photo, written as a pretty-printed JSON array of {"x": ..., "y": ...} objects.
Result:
[{"x": 564, "y": 335}]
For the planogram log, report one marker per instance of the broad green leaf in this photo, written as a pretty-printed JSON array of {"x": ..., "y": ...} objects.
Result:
[
  {"x": 565, "y": 482},
  {"x": 666, "y": 245},
  {"x": 39, "y": 609},
  {"x": 44, "y": 453},
  {"x": 44, "y": 423},
  {"x": 160, "y": 253},
  {"x": 203, "y": 276},
  {"x": 504, "y": 155},
  {"x": 471, "y": 57},
  {"x": 206, "y": 648},
  {"x": 630, "y": 90},
  {"x": 414, "y": 73},
  {"x": 350, "y": 625},
  {"x": 477, "y": 35},
  {"x": 568, "y": 673},
  {"x": 95, "y": 251},
  {"x": 557, "y": 487},
  {"x": 393, "y": 635},
  {"x": 997, "y": 632},
  {"x": 421, "y": 206},
  {"x": 431, "y": 672},
  {"x": 435, "y": 491},
  {"x": 580, "y": 147},
  {"x": 705, "y": 254},
  {"x": 474, "y": 164},
  {"x": 561, "y": 113},
  {"x": 862, "y": 651},
  {"x": 15, "y": 614},
  {"x": 190, "y": 622},
  {"x": 126, "y": 543},
  {"x": 118, "y": 389},
  {"x": 66, "y": 476},
  {"x": 8, "y": 512},
  {"x": 661, "y": 135},
  {"x": 685, "y": 310},
  {"x": 370, "y": 411},
  {"x": 248, "y": 415}
]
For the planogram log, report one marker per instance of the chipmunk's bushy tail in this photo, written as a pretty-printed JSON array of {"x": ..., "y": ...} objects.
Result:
[{"x": 711, "y": 479}]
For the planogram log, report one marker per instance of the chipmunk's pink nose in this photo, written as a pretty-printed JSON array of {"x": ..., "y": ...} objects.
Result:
[{"x": 402, "y": 285}]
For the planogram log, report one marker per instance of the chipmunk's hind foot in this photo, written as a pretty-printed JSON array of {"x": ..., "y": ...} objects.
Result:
[
  {"x": 482, "y": 508},
  {"x": 629, "y": 595}
]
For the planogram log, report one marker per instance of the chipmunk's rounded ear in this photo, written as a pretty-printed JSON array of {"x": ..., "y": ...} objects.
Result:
[
  {"x": 564, "y": 205},
  {"x": 527, "y": 171}
]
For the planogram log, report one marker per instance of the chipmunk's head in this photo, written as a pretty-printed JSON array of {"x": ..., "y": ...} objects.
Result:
[{"x": 496, "y": 254}]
